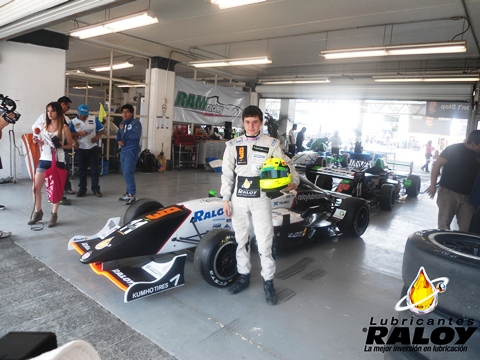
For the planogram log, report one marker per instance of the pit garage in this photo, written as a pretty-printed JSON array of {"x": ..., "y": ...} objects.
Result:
[{"x": 341, "y": 295}]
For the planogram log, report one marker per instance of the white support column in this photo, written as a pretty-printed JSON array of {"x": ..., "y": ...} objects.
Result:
[
  {"x": 160, "y": 112},
  {"x": 359, "y": 130}
]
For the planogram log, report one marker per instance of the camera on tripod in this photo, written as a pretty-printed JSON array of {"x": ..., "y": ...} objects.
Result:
[{"x": 8, "y": 106}]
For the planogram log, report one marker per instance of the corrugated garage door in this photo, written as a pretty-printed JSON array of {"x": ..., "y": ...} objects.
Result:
[{"x": 393, "y": 91}]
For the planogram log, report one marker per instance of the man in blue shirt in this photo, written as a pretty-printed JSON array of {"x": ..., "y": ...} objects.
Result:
[{"x": 128, "y": 138}]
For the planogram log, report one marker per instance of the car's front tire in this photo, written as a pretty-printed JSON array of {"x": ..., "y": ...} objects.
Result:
[
  {"x": 215, "y": 257},
  {"x": 139, "y": 208},
  {"x": 357, "y": 217}
]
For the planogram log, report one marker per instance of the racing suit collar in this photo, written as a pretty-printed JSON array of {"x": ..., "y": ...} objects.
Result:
[{"x": 252, "y": 138}]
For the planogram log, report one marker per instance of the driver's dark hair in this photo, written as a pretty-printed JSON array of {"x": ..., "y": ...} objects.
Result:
[
  {"x": 474, "y": 137},
  {"x": 64, "y": 100},
  {"x": 128, "y": 107},
  {"x": 252, "y": 111}
]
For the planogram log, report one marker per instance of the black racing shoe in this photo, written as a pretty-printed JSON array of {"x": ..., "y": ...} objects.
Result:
[
  {"x": 270, "y": 295},
  {"x": 81, "y": 193},
  {"x": 242, "y": 282}
]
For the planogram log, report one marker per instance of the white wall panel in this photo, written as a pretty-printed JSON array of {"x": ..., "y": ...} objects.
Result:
[{"x": 33, "y": 76}]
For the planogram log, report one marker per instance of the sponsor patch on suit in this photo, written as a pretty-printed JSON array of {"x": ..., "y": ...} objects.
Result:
[{"x": 241, "y": 155}]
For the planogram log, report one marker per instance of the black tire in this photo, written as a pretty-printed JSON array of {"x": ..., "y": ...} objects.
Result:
[
  {"x": 308, "y": 172},
  {"x": 451, "y": 254},
  {"x": 321, "y": 161},
  {"x": 356, "y": 218},
  {"x": 345, "y": 160},
  {"x": 388, "y": 195},
  {"x": 139, "y": 208},
  {"x": 414, "y": 189},
  {"x": 324, "y": 182},
  {"x": 215, "y": 257}
]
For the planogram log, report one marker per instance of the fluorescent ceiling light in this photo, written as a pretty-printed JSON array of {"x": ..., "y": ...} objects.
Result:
[
  {"x": 294, "y": 81},
  {"x": 72, "y": 8},
  {"x": 3, "y": 2},
  {"x": 251, "y": 61},
  {"x": 354, "y": 53},
  {"x": 225, "y": 4},
  {"x": 113, "y": 67},
  {"x": 130, "y": 85},
  {"x": 82, "y": 87},
  {"x": 409, "y": 49},
  {"x": 426, "y": 78},
  {"x": 231, "y": 62},
  {"x": 70, "y": 72},
  {"x": 18, "y": 9},
  {"x": 112, "y": 26},
  {"x": 428, "y": 48},
  {"x": 201, "y": 64}
]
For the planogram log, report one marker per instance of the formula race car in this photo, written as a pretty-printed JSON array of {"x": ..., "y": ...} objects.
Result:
[
  {"x": 125, "y": 253},
  {"x": 378, "y": 186},
  {"x": 302, "y": 159}
]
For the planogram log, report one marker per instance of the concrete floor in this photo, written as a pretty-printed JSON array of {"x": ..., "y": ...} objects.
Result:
[{"x": 323, "y": 309}]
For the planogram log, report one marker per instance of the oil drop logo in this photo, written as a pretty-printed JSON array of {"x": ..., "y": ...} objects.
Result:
[
  {"x": 422, "y": 295},
  {"x": 246, "y": 184}
]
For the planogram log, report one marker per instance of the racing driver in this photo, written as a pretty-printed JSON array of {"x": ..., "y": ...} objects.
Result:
[{"x": 244, "y": 201}]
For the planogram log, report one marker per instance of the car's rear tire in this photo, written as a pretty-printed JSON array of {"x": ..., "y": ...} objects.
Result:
[
  {"x": 388, "y": 195},
  {"x": 414, "y": 189},
  {"x": 322, "y": 181},
  {"x": 345, "y": 160},
  {"x": 139, "y": 208},
  {"x": 215, "y": 257},
  {"x": 321, "y": 161},
  {"x": 356, "y": 218},
  {"x": 451, "y": 254}
]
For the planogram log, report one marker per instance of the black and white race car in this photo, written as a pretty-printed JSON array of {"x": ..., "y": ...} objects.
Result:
[
  {"x": 380, "y": 187},
  {"x": 127, "y": 254}
]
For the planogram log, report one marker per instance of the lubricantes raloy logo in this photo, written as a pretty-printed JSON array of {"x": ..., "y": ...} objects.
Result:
[{"x": 417, "y": 333}]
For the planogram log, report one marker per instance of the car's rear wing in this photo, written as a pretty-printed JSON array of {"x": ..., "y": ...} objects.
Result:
[
  {"x": 328, "y": 193},
  {"x": 341, "y": 173}
]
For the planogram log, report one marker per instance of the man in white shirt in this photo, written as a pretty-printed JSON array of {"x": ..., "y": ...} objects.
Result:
[
  {"x": 335, "y": 143},
  {"x": 291, "y": 139},
  {"x": 87, "y": 132}
]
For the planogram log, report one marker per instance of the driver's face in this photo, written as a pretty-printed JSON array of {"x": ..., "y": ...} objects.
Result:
[{"x": 252, "y": 125}]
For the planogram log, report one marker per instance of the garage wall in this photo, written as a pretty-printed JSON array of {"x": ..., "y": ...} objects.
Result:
[{"x": 33, "y": 76}]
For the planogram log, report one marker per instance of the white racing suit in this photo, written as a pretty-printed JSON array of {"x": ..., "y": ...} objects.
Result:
[{"x": 242, "y": 161}]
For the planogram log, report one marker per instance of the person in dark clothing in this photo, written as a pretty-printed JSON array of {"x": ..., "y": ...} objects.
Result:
[
  {"x": 300, "y": 139},
  {"x": 460, "y": 164},
  {"x": 128, "y": 138},
  {"x": 475, "y": 201}
]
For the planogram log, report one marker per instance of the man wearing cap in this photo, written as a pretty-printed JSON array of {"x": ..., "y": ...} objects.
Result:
[{"x": 87, "y": 132}]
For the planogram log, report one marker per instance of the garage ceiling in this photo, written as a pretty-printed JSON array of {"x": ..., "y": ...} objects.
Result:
[{"x": 292, "y": 33}]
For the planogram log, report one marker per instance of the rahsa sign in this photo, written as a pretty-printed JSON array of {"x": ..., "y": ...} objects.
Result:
[{"x": 196, "y": 102}]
